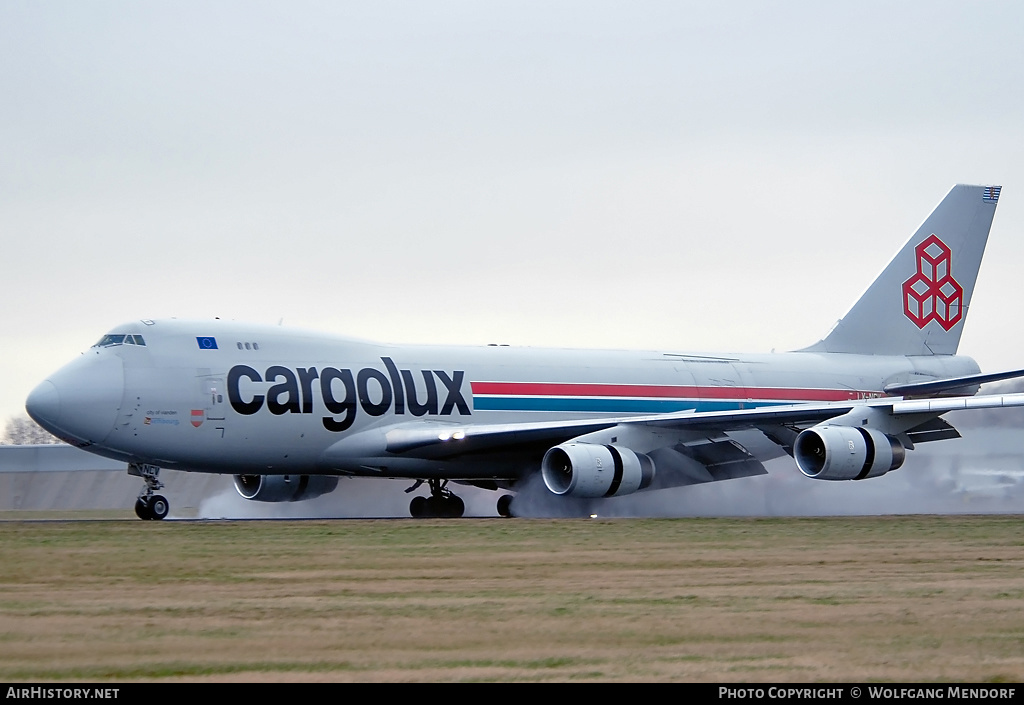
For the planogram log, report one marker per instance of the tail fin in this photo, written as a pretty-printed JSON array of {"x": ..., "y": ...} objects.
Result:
[{"x": 918, "y": 304}]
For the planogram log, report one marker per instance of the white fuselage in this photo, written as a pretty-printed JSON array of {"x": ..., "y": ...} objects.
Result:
[{"x": 230, "y": 398}]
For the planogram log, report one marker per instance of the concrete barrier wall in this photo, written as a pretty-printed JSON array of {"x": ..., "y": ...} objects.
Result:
[
  {"x": 58, "y": 477},
  {"x": 52, "y": 458}
]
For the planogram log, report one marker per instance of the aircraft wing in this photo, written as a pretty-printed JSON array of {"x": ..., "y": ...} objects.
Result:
[
  {"x": 806, "y": 414},
  {"x": 438, "y": 441}
]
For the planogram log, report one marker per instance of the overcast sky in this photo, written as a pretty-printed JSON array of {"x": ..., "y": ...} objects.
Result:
[{"x": 688, "y": 176}]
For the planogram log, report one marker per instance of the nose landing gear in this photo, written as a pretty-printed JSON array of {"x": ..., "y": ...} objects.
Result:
[{"x": 149, "y": 505}]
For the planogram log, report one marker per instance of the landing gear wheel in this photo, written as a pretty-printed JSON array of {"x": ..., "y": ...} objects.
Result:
[
  {"x": 434, "y": 507},
  {"x": 142, "y": 510},
  {"x": 458, "y": 506},
  {"x": 158, "y": 507},
  {"x": 418, "y": 507},
  {"x": 454, "y": 507},
  {"x": 505, "y": 505}
]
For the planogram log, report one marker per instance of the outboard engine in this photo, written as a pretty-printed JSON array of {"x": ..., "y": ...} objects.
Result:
[{"x": 846, "y": 452}]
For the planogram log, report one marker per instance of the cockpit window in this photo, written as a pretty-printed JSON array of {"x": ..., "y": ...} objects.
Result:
[{"x": 119, "y": 339}]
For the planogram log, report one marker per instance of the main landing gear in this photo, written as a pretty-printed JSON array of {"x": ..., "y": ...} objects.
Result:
[
  {"x": 441, "y": 503},
  {"x": 149, "y": 505}
]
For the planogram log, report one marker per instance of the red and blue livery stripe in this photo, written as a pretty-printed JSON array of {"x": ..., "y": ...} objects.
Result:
[{"x": 640, "y": 398}]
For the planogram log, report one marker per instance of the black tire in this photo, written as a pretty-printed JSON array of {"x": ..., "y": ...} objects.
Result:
[
  {"x": 142, "y": 510},
  {"x": 434, "y": 507},
  {"x": 454, "y": 507},
  {"x": 418, "y": 507},
  {"x": 158, "y": 507},
  {"x": 505, "y": 505}
]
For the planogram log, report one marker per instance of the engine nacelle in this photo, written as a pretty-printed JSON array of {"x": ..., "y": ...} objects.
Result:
[
  {"x": 284, "y": 488},
  {"x": 592, "y": 470},
  {"x": 846, "y": 452}
]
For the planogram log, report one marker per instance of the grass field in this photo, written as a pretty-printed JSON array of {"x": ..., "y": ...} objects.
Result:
[{"x": 921, "y": 598}]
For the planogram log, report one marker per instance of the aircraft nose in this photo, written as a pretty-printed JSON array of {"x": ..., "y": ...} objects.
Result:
[
  {"x": 43, "y": 404},
  {"x": 79, "y": 403}
]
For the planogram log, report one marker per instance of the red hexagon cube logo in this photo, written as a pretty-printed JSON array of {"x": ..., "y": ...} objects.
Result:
[{"x": 932, "y": 294}]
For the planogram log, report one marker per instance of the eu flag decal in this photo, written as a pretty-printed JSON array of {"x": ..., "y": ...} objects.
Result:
[{"x": 207, "y": 343}]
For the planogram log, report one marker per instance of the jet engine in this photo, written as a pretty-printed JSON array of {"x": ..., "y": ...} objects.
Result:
[
  {"x": 846, "y": 452},
  {"x": 284, "y": 488},
  {"x": 592, "y": 470}
]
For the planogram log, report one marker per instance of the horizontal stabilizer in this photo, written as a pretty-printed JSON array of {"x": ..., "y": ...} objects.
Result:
[{"x": 938, "y": 386}]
